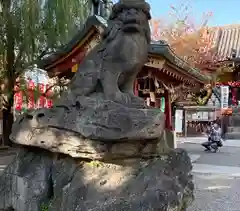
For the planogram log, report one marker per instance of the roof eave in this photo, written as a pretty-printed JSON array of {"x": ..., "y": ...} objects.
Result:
[
  {"x": 164, "y": 49},
  {"x": 92, "y": 21},
  {"x": 159, "y": 48}
]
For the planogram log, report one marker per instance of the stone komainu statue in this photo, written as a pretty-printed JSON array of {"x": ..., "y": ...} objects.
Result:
[{"x": 111, "y": 67}]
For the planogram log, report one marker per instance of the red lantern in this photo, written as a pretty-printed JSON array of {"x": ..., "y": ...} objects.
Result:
[
  {"x": 49, "y": 93},
  {"x": 18, "y": 100},
  {"x": 41, "y": 100},
  {"x": 31, "y": 85},
  {"x": 49, "y": 103},
  {"x": 31, "y": 103}
]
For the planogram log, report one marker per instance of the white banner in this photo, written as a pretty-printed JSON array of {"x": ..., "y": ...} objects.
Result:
[
  {"x": 179, "y": 121},
  {"x": 224, "y": 96}
]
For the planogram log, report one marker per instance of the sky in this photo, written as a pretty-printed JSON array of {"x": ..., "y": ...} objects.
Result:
[{"x": 224, "y": 11}]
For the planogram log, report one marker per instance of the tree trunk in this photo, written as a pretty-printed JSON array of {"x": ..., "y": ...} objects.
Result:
[
  {"x": 9, "y": 80},
  {"x": 7, "y": 126}
]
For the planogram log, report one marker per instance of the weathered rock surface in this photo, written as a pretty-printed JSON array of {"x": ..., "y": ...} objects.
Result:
[
  {"x": 38, "y": 181},
  {"x": 91, "y": 130}
]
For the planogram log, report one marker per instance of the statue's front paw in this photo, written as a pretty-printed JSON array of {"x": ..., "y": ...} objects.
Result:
[
  {"x": 122, "y": 98},
  {"x": 137, "y": 100},
  {"x": 129, "y": 100}
]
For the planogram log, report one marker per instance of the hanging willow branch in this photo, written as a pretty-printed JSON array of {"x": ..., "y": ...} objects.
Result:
[{"x": 32, "y": 27}]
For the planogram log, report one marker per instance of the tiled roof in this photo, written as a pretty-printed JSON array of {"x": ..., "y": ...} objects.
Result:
[{"x": 225, "y": 39}]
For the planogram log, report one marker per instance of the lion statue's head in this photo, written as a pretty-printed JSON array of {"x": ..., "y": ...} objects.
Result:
[
  {"x": 128, "y": 29},
  {"x": 130, "y": 17}
]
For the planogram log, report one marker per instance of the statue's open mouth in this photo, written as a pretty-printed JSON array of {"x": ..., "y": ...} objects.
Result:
[
  {"x": 131, "y": 25},
  {"x": 131, "y": 28}
]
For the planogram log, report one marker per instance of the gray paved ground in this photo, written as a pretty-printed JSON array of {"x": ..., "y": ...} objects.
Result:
[
  {"x": 216, "y": 193},
  {"x": 216, "y": 177},
  {"x": 6, "y": 158}
]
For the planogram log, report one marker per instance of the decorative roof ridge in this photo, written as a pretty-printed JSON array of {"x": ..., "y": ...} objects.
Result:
[
  {"x": 174, "y": 58},
  {"x": 224, "y": 27}
]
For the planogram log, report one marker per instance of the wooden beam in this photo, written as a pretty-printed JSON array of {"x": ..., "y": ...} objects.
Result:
[{"x": 155, "y": 62}]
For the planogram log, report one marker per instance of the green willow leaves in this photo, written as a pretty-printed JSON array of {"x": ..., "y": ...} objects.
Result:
[{"x": 37, "y": 26}]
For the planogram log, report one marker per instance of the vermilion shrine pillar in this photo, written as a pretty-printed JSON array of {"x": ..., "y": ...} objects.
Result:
[
  {"x": 168, "y": 111},
  {"x": 135, "y": 88}
]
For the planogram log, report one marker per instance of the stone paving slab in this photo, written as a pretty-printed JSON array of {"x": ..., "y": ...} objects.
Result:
[
  {"x": 5, "y": 159},
  {"x": 216, "y": 176},
  {"x": 199, "y": 140},
  {"x": 194, "y": 157},
  {"x": 228, "y": 171},
  {"x": 227, "y": 156},
  {"x": 216, "y": 193}
]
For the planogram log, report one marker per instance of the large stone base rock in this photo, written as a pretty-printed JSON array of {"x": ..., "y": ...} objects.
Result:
[
  {"x": 79, "y": 147},
  {"x": 90, "y": 127},
  {"x": 38, "y": 180}
]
